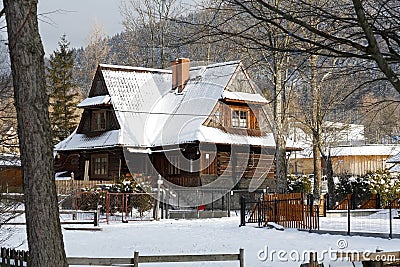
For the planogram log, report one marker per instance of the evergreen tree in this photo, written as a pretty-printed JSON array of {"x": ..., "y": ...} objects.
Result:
[{"x": 63, "y": 99}]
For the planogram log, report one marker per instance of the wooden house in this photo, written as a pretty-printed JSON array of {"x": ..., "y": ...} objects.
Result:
[
  {"x": 10, "y": 173},
  {"x": 201, "y": 126},
  {"x": 353, "y": 160}
]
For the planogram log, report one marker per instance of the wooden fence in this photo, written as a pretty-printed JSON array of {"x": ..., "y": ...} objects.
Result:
[
  {"x": 14, "y": 258},
  {"x": 70, "y": 186},
  {"x": 288, "y": 210},
  {"x": 374, "y": 202}
]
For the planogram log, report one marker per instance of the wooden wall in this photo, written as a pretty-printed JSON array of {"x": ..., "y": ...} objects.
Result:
[
  {"x": 11, "y": 177},
  {"x": 354, "y": 165},
  {"x": 74, "y": 161}
]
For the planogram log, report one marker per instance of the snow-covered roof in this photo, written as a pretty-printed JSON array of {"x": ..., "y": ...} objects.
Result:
[
  {"x": 395, "y": 169},
  {"x": 81, "y": 141},
  {"x": 394, "y": 159},
  {"x": 247, "y": 97},
  {"x": 9, "y": 160},
  {"x": 151, "y": 114},
  {"x": 95, "y": 101},
  {"x": 215, "y": 135},
  {"x": 367, "y": 150}
]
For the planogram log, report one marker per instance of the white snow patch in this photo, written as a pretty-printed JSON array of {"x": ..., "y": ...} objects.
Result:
[{"x": 208, "y": 236}]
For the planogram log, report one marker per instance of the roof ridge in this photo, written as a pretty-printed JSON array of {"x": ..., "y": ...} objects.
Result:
[
  {"x": 130, "y": 68},
  {"x": 215, "y": 65}
]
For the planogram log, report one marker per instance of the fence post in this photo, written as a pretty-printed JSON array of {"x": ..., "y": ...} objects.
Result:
[
  {"x": 276, "y": 210},
  {"x": 96, "y": 217},
  {"x": 229, "y": 203},
  {"x": 378, "y": 201},
  {"x": 259, "y": 212},
  {"x": 162, "y": 205},
  {"x": 353, "y": 201},
  {"x": 311, "y": 200},
  {"x": 242, "y": 211},
  {"x": 326, "y": 202},
  {"x": 390, "y": 220},
  {"x": 348, "y": 213},
  {"x": 241, "y": 257},
  {"x": 136, "y": 259}
]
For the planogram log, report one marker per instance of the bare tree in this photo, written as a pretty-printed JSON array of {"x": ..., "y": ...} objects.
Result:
[
  {"x": 149, "y": 27},
  {"x": 367, "y": 30},
  {"x": 266, "y": 53},
  {"x": 95, "y": 53},
  {"x": 45, "y": 239}
]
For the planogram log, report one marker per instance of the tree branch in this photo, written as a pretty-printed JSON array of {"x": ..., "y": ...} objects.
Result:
[{"x": 373, "y": 48}]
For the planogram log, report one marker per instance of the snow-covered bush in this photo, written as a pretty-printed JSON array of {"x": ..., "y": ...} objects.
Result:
[
  {"x": 381, "y": 182},
  {"x": 358, "y": 186},
  {"x": 299, "y": 184},
  {"x": 95, "y": 196}
]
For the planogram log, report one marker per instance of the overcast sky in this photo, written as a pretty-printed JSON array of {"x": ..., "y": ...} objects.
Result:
[{"x": 76, "y": 20}]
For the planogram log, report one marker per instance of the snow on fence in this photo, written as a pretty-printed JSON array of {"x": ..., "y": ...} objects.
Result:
[{"x": 15, "y": 258}]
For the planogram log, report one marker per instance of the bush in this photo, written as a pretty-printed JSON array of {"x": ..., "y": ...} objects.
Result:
[
  {"x": 356, "y": 185},
  {"x": 381, "y": 182},
  {"x": 299, "y": 184},
  {"x": 142, "y": 201}
]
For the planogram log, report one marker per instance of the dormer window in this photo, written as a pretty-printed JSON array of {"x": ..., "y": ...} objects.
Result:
[
  {"x": 99, "y": 120},
  {"x": 239, "y": 119}
]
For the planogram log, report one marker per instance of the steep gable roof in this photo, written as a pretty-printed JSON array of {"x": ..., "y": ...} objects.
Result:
[{"x": 150, "y": 113}]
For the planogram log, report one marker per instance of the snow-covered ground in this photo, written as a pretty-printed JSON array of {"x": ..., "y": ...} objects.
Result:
[
  {"x": 205, "y": 237},
  {"x": 377, "y": 222}
]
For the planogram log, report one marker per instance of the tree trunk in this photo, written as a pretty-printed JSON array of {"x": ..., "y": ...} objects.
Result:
[
  {"x": 45, "y": 239},
  {"x": 281, "y": 170},
  {"x": 280, "y": 140},
  {"x": 316, "y": 127},
  {"x": 329, "y": 178}
]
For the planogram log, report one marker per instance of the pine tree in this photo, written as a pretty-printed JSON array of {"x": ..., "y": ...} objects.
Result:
[{"x": 63, "y": 99}]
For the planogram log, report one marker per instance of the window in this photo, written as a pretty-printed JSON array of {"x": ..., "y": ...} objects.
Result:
[
  {"x": 239, "y": 119},
  {"x": 251, "y": 159},
  {"x": 99, "y": 120},
  {"x": 100, "y": 165},
  {"x": 173, "y": 167},
  {"x": 209, "y": 164}
]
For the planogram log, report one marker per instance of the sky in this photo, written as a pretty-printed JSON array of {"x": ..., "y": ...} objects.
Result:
[{"x": 76, "y": 19}]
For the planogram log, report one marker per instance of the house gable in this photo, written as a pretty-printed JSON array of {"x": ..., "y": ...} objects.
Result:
[
  {"x": 239, "y": 107},
  {"x": 98, "y": 117},
  {"x": 98, "y": 85},
  {"x": 241, "y": 82}
]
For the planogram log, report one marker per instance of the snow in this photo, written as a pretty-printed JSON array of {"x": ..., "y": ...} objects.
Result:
[
  {"x": 368, "y": 150},
  {"x": 257, "y": 98},
  {"x": 81, "y": 141},
  {"x": 210, "y": 134},
  {"x": 94, "y": 101},
  {"x": 206, "y": 236},
  {"x": 275, "y": 226},
  {"x": 394, "y": 159},
  {"x": 9, "y": 160}
]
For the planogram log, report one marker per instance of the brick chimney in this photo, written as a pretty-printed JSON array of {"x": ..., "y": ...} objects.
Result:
[{"x": 180, "y": 73}]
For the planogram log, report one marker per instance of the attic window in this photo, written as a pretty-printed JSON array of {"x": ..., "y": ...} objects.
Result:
[
  {"x": 99, "y": 120},
  {"x": 239, "y": 119}
]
